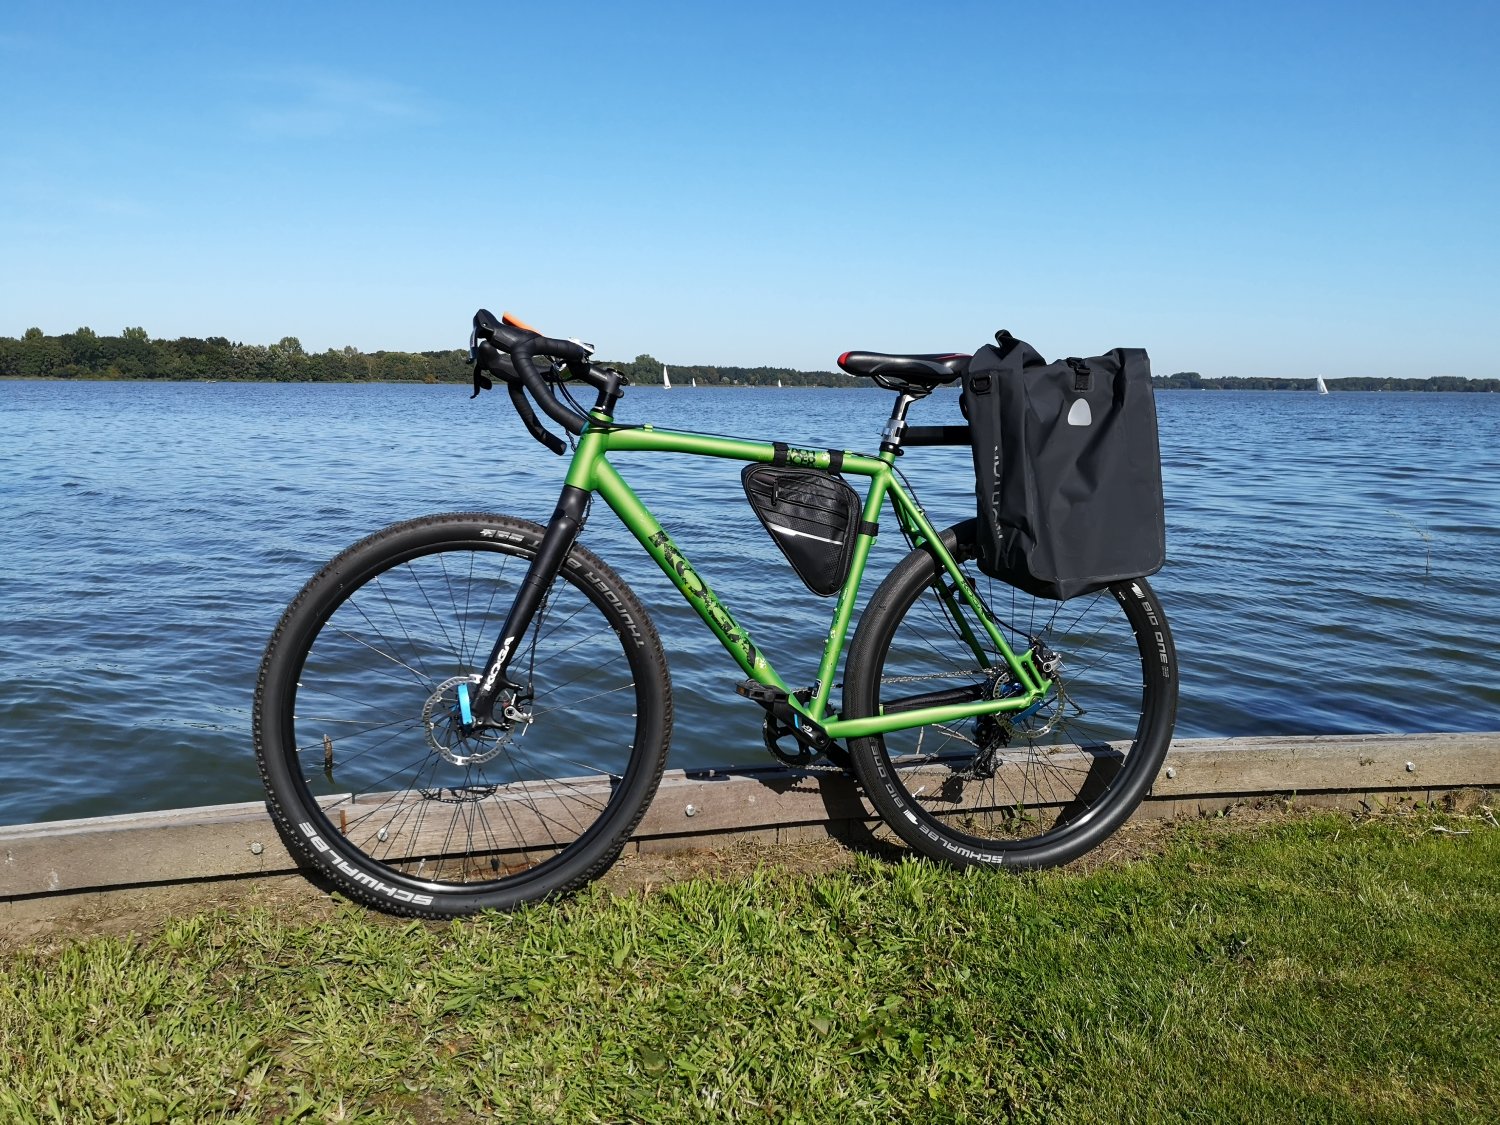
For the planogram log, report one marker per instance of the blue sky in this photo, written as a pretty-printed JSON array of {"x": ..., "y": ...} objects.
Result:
[{"x": 1244, "y": 189}]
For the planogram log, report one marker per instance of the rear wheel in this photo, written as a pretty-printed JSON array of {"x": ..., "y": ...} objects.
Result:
[
  {"x": 373, "y": 775},
  {"x": 1032, "y": 791}
]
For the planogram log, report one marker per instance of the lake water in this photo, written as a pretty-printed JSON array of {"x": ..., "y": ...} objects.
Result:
[{"x": 1334, "y": 562}]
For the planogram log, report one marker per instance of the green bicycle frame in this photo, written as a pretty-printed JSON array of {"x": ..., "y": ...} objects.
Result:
[{"x": 591, "y": 471}]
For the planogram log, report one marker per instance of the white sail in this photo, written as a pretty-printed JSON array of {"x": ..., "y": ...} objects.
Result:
[
  {"x": 666, "y": 380},
  {"x": 778, "y": 384},
  {"x": 694, "y": 382},
  {"x": 1322, "y": 386}
]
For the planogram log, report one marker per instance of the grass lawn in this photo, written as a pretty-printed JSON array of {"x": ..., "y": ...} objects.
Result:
[{"x": 1315, "y": 968}]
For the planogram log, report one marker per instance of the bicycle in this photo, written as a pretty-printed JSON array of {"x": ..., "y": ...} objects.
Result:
[{"x": 472, "y": 711}]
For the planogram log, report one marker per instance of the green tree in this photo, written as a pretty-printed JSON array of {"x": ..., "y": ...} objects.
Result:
[{"x": 287, "y": 358}]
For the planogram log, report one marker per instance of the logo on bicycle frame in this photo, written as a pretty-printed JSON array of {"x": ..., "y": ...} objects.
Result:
[
  {"x": 698, "y": 592},
  {"x": 489, "y": 681}
]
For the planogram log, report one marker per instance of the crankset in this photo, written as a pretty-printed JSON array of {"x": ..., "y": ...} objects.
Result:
[
  {"x": 808, "y": 742},
  {"x": 802, "y": 754},
  {"x": 773, "y": 730}
]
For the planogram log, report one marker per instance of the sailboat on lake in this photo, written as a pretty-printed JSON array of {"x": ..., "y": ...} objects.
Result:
[
  {"x": 1322, "y": 386},
  {"x": 666, "y": 380}
]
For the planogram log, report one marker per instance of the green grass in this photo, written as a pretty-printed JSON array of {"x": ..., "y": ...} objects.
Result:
[{"x": 1321, "y": 969}]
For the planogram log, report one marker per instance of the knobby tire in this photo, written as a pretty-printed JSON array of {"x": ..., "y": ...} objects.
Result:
[{"x": 372, "y": 777}]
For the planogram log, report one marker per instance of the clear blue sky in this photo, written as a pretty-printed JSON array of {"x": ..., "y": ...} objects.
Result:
[{"x": 1244, "y": 189}]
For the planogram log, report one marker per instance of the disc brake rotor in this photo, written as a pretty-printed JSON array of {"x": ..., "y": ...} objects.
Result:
[{"x": 449, "y": 736}]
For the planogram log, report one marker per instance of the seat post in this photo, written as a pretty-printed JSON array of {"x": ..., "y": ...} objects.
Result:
[{"x": 890, "y": 437}]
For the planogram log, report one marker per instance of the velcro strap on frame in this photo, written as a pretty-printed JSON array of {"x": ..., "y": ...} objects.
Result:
[
  {"x": 781, "y": 448},
  {"x": 835, "y": 460},
  {"x": 868, "y": 528}
]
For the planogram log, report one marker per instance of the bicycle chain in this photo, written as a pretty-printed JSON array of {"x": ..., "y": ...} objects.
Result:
[
  {"x": 931, "y": 676},
  {"x": 823, "y": 767}
]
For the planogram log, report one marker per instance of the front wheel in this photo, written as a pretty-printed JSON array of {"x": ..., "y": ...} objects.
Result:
[
  {"x": 374, "y": 774},
  {"x": 1030, "y": 791}
]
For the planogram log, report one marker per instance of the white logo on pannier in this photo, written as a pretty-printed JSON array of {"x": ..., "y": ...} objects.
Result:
[{"x": 1079, "y": 415}]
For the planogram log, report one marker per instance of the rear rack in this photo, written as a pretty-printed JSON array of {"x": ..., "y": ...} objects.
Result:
[{"x": 935, "y": 435}]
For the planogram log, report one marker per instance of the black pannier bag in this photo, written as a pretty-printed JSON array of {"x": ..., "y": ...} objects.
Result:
[
  {"x": 1067, "y": 468},
  {"x": 812, "y": 515}
]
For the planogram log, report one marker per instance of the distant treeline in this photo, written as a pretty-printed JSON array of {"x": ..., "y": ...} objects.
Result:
[
  {"x": 1192, "y": 381},
  {"x": 84, "y": 354},
  {"x": 644, "y": 369},
  {"x": 133, "y": 355}
]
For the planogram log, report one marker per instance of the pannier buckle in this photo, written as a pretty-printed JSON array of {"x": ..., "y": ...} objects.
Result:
[{"x": 1083, "y": 378}]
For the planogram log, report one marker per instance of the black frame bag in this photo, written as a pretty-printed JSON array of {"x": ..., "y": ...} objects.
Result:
[
  {"x": 812, "y": 515},
  {"x": 1067, "y": 468}
]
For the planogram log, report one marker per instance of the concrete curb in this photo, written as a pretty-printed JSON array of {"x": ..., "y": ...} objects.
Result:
[{"x": 706, "y": 809}]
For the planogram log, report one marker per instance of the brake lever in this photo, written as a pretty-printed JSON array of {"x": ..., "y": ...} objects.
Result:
[
  {"x": 482, "y": 382},
  {"x": 533, "y": 424}
]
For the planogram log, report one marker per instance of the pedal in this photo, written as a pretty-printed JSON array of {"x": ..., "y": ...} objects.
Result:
[{"x": 764, "y": 694}]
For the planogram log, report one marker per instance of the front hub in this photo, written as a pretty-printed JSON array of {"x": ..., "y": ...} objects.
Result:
[{"x": 448, "y": 719}]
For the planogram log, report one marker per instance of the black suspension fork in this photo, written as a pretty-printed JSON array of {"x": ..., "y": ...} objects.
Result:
[{"x": 546, "y": 565}]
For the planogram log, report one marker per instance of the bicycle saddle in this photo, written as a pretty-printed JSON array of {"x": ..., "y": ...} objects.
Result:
[{"x": 900, "y": 372}]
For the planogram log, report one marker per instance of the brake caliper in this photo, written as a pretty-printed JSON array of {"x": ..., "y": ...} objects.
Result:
[{"x": 1047, "y": 662}]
